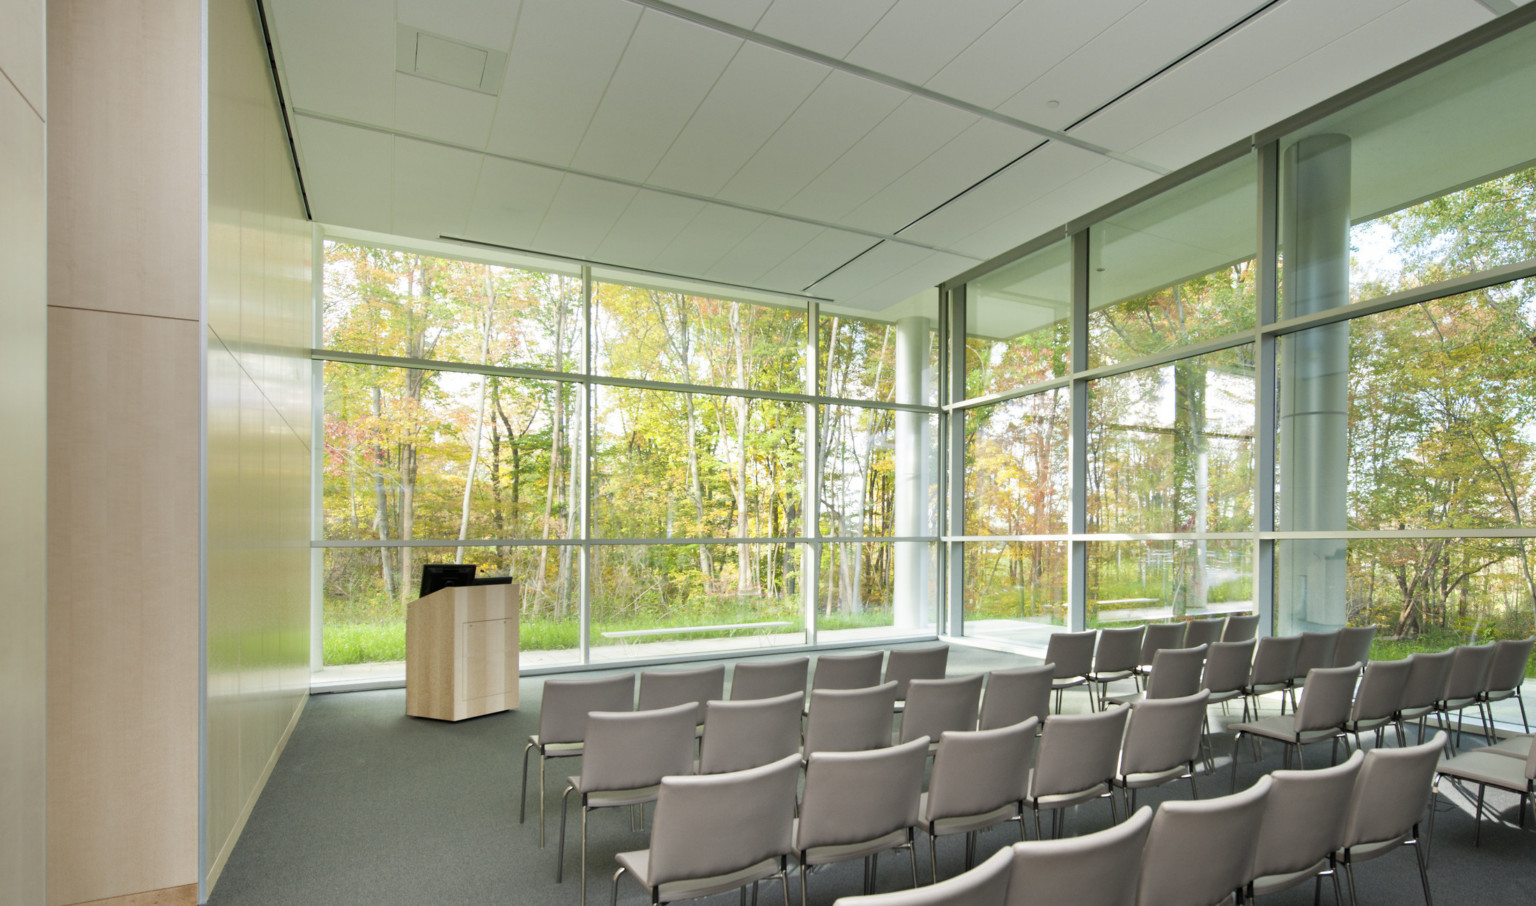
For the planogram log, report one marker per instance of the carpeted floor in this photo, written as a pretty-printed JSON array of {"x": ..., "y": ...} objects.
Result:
[{"x": 368, "y": 806}]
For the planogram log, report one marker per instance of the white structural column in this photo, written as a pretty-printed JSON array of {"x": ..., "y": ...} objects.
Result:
[
  {"x": 1314, "y": 385},
  {"x": 914, "y": 473}
]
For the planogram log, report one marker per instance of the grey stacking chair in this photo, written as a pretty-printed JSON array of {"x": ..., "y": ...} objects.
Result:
[
  {"x": 1507, "y": 674},
  {"x": 563, "y": 710},
  {"x": 1227, "y": 668},
  {"x": 1354, "y": 646},
  {"x": 1203, "y": 632},
  {"x": 1320, "y": 716},
  {"x": 1098, "y": 869},
  {"x": 849, "y": 720},
  {"x": 699, "y": 848},
  {"x": 1202, "y": 852},
  {"x": 1076, "y": 762},
  {"x": 1181, "y": 667},
  {"x": 979, "y": 779},
  {"x": 902, "y": 665},
  {"x": 1274, "y": 662},
  {"x": 1427, "y": 673},
  {"x": 847, "y": 671},
  {"x": 627, "y": 755},
  {"x": 1162, "y": 744},
  {"x": 1302, "y": 828},
  {"x": 1492, "y": 767},
  {"x": 857, "y": 805},
  {"x": 937, "y": 705},
  {"x": 1315, "y": 650},
  {"x": 1015, "y": 695},
  {"x": 1072, "y": 653},
  {"x": 665, "y": 688},
  {"x": 746, "y": 734},
  {"x": 1158, "y": 637},
  {"x": 1467, "y": 679},
  {"x": 985, "y": 885},
  {"x": 1240, "y": 627},
  {"x": 1378, "y": 698},
  {"x": 1391, "y": 794},
  {"x": 1116, "y": 658},
  {"x": 768, "y": 679}
]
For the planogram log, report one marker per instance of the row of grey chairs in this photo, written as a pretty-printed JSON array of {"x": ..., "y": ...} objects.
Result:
[{"x": 1288, "y": 828}]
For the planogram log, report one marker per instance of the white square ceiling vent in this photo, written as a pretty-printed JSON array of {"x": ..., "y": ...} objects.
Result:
[{"x": 421, "y": 53}]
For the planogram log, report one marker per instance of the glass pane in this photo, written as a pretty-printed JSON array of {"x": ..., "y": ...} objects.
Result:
[
  {"x": 694, "y": 465},
  {"x": 654, "y": 335},
  {"x": 1017, "y": 469},
  {"x": 1018, "y": 323},
  {"x": 385, "y": 302},
  {"x": 888, "y": 361},
  {"x": 1016, "y": 591},
  {"x": 1147, "y": 581},
  {"x": 1429, "y": 180},
  {"x": 878, "y": 472},
  {"x": 872, "y": 589},
  {"x": 672, "y": 599},
  {"x": 1170, "y": 449},
  {"x": 1176, "y": 269}
]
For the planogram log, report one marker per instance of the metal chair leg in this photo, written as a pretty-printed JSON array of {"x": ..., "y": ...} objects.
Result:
[
  {"x": 560, "y": 854},
  {"x": 614, "y": 900},
  {"x": 522, "y": 809},
  {"x": 1423, "y": 868}
]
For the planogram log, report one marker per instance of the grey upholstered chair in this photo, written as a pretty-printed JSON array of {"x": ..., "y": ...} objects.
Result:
[
  {"x": 1240, "y": 627},
  {"x": 1391, "y": 796},
  {"x": 1180, "y": 670},
  {"x": 936, "y": 705},
  {"x": 1378, "y": 698},
  {"x": 1227, "y": 668},
  {"x": 1075, "y": 763},
  {"x": 627, "y": 754},
  {"x": 1427, "y": 673},
  {"x": 849, "y": 720},
  {"x": 665, "y": 688},
  {"x": 985, "y": 885},
  {"x": 717, "y": 833},
  {"x": 1274, "y": 662},
  {"x": 979, "y": 779},
  {"x": 1158, "y": 637},
  {"x": 902, "y": 665},
  {"x": 1494, "y": 767},
  {"x": 1314, "y": 650},
  {"x": 1202, "y": 852},
  {"x": 1467, "y": 679},
  {"x": 1354, "y": 646},
  {"x": 1203, "y": 632},
  {"x": 1015, "y": 695},
  {"x": 857, "y": 805},
  {"x": 563, "y": 711},
  {"x": 1162, "y": 744},
  {"x": 768, "y": 679},
  {"x": 1116, "y": 658},
  {"x": 746, "y": 734},
  {"x": 1072, "y": 653},
  {"x": 1098, "y": 869},
  {"x": 1302, "y": 828},
  {"x": 858, "y": 670},
  {"x": 1324, "y": 707},
  {"x": 1507, "y": 675}
]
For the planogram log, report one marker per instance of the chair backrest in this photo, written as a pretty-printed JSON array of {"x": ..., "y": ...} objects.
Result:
[
  {"x": 1392, "y": 792},
  {"x": 985, "y": 885},
  {"x": 1078, "y": 751},
  {"x": 1380, "y": 693},
  {"x": 565, "y": 704},
  {"x": 746, "y": 734},
  {"x": 627, "y": 750},
  {"x": 849, "y": 720},
  {"x": 1354, "y": 646},
  {"x": 1071, "y": 652},
  {"x": 853, "y": 797},
  {"x": 1118, "y": 649},
  {"x": 1163, "y": 733},
  {"x": 1098, "y": 869},
  {"x": 695, "y": 835},
  {"x": 1508, "y": 669},
  {"x": 1240, "y": 627},
  {"x": 1158, "y": 637},
  {"x": 1015, "y": 695},
  {"x": 1176, "y": 672},
  {"x": 936, "y": 705},
  {"x": 665, "y": 688},
  {"x": 1201, "y": 851},
  {"x": 768, "y": 679},
  {"x": 1227, "y": 666},
  {"x": 847, "y": 671},
  {"x": 1204, "y": 632},
  {"x": 1274, "y": 660},
  {"x": 1326, "y": 701},
  {"x": 1315, "y": 650},
  {"x": 1304, "y": 817},
  {"x": 1469, "y": 672},
  {"x": 1427, "y": 673},
  {"x": 903, "y": 665},
  {"x": 976, "y": 771}
]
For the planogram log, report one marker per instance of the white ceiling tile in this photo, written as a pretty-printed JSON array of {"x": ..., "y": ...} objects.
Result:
[
  {"x": 1005, "y": 193},
  {"x": 350, "y": 76},
  {"x": 344, "y": 168},
  {"x": 757, "y": 92},
  {"x": 741, "y": 13},
  {"x": 917, "y": 38},
  {"x": 646, "y": 227},
  {"x": 510, "y": 202},
  {"x": 766, "y": 247},
  {"x": 1046, "y": 213},
  {"x": 581, "y": 214},
  {"x": 667, "y": 70},
  {"x": 818, "y": 258},
  {"x": 443, "y": 112},
  {"x": 432, "y": 189},
  {"x": 547, "y": 99},
  {"x": 707, "y": 239},
  {"x": 483, "y": 23},
  {"x": 889, "y": 274},
  {"x": 827, "y": 28}
]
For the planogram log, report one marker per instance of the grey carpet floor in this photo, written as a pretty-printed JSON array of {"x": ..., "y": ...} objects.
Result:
[{"x": 368, "y": 806}]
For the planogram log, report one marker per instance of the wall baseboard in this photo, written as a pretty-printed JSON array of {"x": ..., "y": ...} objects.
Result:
[{"x": 185, "y": 895}]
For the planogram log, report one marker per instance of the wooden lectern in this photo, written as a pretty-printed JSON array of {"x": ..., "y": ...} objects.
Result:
[{"x": 461, "y": 652}]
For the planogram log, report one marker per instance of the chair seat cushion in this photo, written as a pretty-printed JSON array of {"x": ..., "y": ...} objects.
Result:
[
  {"x": 639, "y": 863},
  {"x": 614, "y": 798},
  {"x": 1281, "y": 727},
  {"x": 1517, "y": 747},
  {"x": 1491, "y": 768},
  {"x": 1287, "y": 879},
  {"x": 961, "y": 824},
  {"x": 842, "y": 852}
]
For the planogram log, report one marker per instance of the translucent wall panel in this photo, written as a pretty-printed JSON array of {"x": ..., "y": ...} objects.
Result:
[
  {"x": 859, "y": 597},
  {"x": 1015, "y": 591},
  {"x": 1017, "y": 480},
  {"x": 1141, "y": 581},
  {"x": 1018, "y": 323}
]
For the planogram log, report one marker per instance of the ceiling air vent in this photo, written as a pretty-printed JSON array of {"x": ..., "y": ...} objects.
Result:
[{"x": 421, "y": 53}]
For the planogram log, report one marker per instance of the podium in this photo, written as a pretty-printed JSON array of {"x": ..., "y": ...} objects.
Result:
[{"x": 461, "y": 652}]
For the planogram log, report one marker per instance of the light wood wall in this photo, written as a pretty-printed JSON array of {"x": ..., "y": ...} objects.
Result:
[{"x": 24, "y": 415}]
